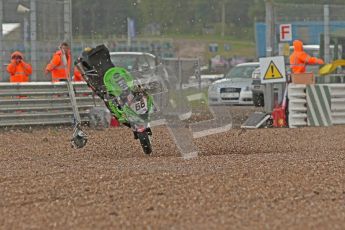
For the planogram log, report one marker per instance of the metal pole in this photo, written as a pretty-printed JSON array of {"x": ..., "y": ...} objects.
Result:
[
  {"x": 26, "y": 33},
  {"x": 199, "y": 74},
  {"x": 71, "y": 25},
  {"x": 2, "y": 53},
  {"x": 33, "y": 39},
  {"x": 223, "y": 18},
  {"x": 45, "y": 22},
  {"x": 269, "y": 28},
  {"x": 270, "y": 34},
  {"x": 80, "y": 25},
  {"x": 67, "y": 21},
  {"x": 180, "y": 73},
  {"x": 326, "y": 34},
  {"x": 128, "y": 35},
  {"x": 67, "y": 9}
]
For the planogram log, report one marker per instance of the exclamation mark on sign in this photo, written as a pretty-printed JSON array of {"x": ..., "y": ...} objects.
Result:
[{"x": 272, "y": 71}]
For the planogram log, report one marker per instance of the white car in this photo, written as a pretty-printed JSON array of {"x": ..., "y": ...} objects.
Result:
[
  {"x": 235, "y": 87},
  {"x": 144, "y": 67}
]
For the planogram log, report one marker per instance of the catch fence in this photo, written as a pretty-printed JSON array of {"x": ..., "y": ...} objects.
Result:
[
  {"x": 37, "y": 27},
  {"x": 314, "y": 24}
]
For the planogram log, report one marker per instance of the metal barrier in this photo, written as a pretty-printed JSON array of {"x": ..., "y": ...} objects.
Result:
[
  {"x": 43, "y": 103},
  {"x": 298, "y": 104}
]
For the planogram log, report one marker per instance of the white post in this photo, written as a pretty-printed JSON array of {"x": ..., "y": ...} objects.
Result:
[
  {"x": 33, "y": 39},
  {"x": 67, "y": 21},
  {"x": 223, "y": 19},
  {"x": 26, "y": 33},
  {"x": 270, "y": 34},
  {"x": 67, "y": 7},
  {"x": 1, "y": 40},
  {"x": 128, "y": 33},
  {"x": 327, "y": 58}
]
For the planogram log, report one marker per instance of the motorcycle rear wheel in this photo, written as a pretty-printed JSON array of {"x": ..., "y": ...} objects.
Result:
[{"x": 145, "y": 142}]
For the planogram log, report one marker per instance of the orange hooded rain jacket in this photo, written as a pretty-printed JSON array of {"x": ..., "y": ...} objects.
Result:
[
  {"x": 18, "y": 69},
  {"x": 57, "y": 67},
  {"x": 299, "y": 58}
]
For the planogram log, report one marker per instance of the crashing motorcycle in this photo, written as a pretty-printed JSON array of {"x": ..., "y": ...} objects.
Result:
[{"x": 128, "y": 102}]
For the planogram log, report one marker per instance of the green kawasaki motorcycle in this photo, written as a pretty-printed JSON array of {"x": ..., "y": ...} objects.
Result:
[{"x": 130, "y": 104}]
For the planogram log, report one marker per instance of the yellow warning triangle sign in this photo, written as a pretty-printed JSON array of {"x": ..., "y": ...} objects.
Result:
[{"x": 272, "y": 72}]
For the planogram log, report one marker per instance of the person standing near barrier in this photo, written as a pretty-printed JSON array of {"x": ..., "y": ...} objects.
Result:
[
  {"x": 299, "y": 58},
  {"x": 18, "y": 69},
  {"x": 57, "y": 67}
]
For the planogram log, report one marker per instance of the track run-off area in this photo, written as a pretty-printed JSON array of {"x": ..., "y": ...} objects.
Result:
[{"x": 272, "y": 178}]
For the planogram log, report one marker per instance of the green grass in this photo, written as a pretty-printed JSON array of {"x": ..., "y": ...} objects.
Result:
[
  {"x": 238, "y": 47},
  {"x": 242, "y": 47}
]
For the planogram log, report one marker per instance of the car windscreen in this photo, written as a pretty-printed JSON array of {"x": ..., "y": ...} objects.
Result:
[
  {"x": 241, "y": 72},
  {"x": 132, "y": 62},
  {"x": 128, "y": 62}
]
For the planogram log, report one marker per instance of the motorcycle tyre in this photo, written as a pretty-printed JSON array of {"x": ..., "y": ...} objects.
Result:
[{"x": 145, "y": 142}]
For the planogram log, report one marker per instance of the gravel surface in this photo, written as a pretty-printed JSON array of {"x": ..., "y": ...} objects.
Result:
[{"x": 242, "y": 179}]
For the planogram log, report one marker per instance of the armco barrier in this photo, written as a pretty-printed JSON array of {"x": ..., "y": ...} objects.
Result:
[
  {"x": 298, "y": 104},
  {"x": 43, "y": 103}
]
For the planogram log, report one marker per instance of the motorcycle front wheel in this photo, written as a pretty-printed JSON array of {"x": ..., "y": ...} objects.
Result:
[{"x": 145, "y": 142}]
